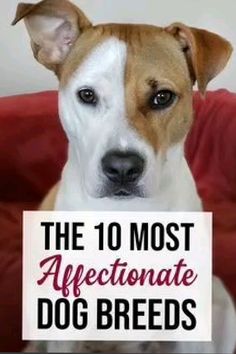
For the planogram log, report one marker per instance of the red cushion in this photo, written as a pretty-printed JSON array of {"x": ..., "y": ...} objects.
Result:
[
  {"x": 33, "y": 151},
  {"x": 32, "y": 146},
  {"x": 211, "y": 152},
  {"x": 10, "y": 270},
  {"x": 211, "y": 145}
]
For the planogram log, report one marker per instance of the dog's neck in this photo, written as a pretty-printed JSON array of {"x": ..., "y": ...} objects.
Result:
[{"x": 175, "y": 191}]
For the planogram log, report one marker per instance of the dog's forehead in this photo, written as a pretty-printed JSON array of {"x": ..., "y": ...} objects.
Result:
[{"x": 149, "y": 51}]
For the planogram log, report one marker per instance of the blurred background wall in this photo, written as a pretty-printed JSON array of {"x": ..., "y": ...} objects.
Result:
[{"x": 20, "y": 73}]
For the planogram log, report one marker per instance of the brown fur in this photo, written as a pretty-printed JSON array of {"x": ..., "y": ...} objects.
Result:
[
  {"x": 156, "y": 62},
  {"x": 48, "y": 204},
  {"x": 206, "y": 52}
]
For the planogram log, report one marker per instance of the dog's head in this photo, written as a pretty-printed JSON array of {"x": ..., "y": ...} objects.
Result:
[{"x": 125, "y": 92}]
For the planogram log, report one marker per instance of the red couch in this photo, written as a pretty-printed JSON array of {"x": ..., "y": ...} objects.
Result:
[{"x": 33, "y": 152}]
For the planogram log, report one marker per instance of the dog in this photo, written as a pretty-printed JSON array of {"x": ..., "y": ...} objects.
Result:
[{"x": 125, "y": 103}]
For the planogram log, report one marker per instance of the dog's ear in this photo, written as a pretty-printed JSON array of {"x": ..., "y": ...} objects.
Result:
[
  {"x": 207, "y": 53},
  {"x": 53, "y": 26}
]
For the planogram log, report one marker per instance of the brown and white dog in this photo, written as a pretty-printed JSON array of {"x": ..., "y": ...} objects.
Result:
[{"x": 125, "y": 103}]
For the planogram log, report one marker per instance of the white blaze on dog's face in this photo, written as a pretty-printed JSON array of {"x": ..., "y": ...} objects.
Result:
[
  {"x": 125, "y": 93},
  {"x": 98, "y": 127}
]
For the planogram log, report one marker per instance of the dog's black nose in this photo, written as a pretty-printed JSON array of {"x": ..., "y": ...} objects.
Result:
[{"x": 122, "y": 167}]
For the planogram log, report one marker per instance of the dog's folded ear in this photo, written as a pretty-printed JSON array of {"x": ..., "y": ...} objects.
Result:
[
  {"x": 207, "y": 53},
  {"x": 53, "y": 26}
]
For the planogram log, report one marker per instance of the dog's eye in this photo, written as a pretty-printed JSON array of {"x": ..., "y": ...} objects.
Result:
[
  {"x": 162, "y": 99},
  {"x": 87, "y": 96}
]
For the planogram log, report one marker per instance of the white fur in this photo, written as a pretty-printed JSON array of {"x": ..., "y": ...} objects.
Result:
[{"x": 167, "y": 181}]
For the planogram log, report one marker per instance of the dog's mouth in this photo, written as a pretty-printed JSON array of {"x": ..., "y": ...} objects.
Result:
[{"x": 122, "y": 192}]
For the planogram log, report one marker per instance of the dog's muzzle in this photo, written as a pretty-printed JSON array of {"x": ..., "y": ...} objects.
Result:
[{"x": 122, "y": 171}]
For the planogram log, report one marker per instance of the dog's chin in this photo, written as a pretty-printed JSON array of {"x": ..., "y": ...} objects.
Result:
[
  {"x": 121, "y": 199},
  {"x": 122, "y": 193}
]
